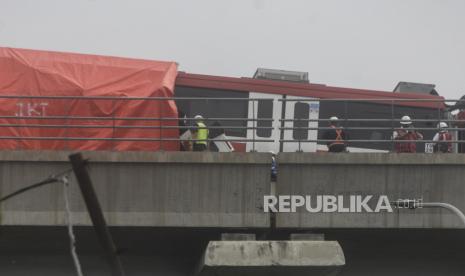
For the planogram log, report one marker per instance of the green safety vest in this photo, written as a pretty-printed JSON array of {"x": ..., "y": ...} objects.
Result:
[{"x": 202, "y": 134}]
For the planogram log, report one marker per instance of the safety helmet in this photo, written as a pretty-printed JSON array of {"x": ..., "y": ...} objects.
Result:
[
  {"x": 198, "y": 117},
  {"x": 442, "y": 125},
  {"x": 272, "y": 152},
  {"x": 406, "y": 120},
  {"x": 333, "y": 118}
]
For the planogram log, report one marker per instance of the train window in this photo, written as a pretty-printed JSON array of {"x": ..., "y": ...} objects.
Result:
[
  {"x": 301, "y": 111},
  {"x": 377, "y": 135},
  {"x": 208, "y": 108},
  {"x": 430, "y": 123},
  {"x": 264, "y": 111}
]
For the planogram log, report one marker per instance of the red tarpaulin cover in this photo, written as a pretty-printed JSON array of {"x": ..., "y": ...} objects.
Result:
[{"x": 42, "y": 120}]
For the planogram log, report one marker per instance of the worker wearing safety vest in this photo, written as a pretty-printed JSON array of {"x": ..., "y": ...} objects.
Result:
[
  {"x": 405, "y": 133},
  {"x": 200, "y": 134},
  {"x": 336, "y": 136},
  {"x": 442, "y": 139}
]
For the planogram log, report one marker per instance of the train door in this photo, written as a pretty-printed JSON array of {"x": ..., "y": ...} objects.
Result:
[
  {"x": 304, "y": 110},
  {"x": 264, "y": 110}
]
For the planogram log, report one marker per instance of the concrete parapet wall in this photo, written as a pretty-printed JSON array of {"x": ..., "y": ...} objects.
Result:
[
  {"x": 432, "y": 177},
  {"x": 142, "y": 189},
  {"x": 189, "y": 189}
]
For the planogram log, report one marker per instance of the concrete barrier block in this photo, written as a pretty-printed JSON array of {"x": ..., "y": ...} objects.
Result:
[{"x": 272, "y": 258}]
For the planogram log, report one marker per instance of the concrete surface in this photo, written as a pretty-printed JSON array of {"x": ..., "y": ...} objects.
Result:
[
  {"x": 238, "y": 237},
  {"x": 307, "y": 237},
  {"x": 371, "y": 158},
  {"x": 431, "y": 177},
  {"x": 142, "y": 189},
  {"x": 272, "y": 258},
  {"x": 138, "y": 157},
  {"x": 188, "y": 189}
]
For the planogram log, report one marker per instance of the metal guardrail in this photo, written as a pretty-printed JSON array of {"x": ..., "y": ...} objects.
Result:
[
  {"x": 25, "y": 119},
  {"x": 439, "y": 113},
  {"x": 248, "y": 125}
]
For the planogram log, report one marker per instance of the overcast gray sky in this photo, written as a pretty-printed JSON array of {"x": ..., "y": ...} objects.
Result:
[{"x": 350, "y": 43}]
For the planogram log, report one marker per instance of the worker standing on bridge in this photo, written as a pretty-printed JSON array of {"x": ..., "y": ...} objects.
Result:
[
  {"x": 443, "y": 139},
  {"x": 336, "y": 136},
  {"x": 200, "y": 134},
  {"x": 407, "y": 134}
]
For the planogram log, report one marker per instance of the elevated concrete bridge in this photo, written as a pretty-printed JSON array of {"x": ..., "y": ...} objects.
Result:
[
  {"x": 202, "y": 195},
  {"x": 176, "y": 189}
]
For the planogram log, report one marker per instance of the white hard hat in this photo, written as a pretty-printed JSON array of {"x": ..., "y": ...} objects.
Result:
[
  {"x": 405, "y": 120},
  {"x": 442, "y": 125},
  {"x": 333, "y": 118},
  {"x": 197, "y": 117},
  {"x": 272, "y": 152}
]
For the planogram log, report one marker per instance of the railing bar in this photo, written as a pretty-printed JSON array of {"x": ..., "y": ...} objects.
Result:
[
  {"x": 126, "y": 139},
  {"x": 212, "y": 119},
  {"x": 375, "y": 120},
  {"x": 374, "y": 141},
  {"x": 128, "y": 98},
  {"x": 221, "y": 98},
  {"x": 366, "y": 99},
  {"x": 127, "y": 118},
  {"x": 372, "y": 128},
  {"x": 124, "y": 127}
]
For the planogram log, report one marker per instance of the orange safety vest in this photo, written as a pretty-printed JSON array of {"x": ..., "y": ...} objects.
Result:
[
  {"x": 410, "y": 147},
  {"x": 461, "y": 116},
  {"x": 339, "y": 140},
  {"x": 445, "y": 145}
]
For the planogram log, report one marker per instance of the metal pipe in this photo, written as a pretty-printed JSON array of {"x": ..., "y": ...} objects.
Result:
[
  {"x": 127, "y": 118},
  {"x": 124, "y": 98},
  {"x": 374, "y": 141},
  {"x": 415, "y": 204},
  {"x": 372, "y": 128},
  {"x": 211, "y": 119},
  {"x": 447, "y": 206},
  {"x": 124, "y": 127},
  {"x": 127, "y": 139},
  {"x": 363, "y": 100},
  {"x": 212, "y": 140},
  {"x": 129, "y": 98},
  {"x": 375, "y": 120},
  {"x": 121, "y": 98}
]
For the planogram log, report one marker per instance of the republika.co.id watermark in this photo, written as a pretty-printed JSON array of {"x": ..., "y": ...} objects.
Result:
[{"x": 336, "y": 204}]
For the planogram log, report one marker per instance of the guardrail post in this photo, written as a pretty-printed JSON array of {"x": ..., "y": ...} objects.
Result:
[
  {"x": 392, "y": 126},
  {"x": 254, "y": 124},
  {"x": 113, "y": 135},
  {"x": 160, "y": 116}
]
